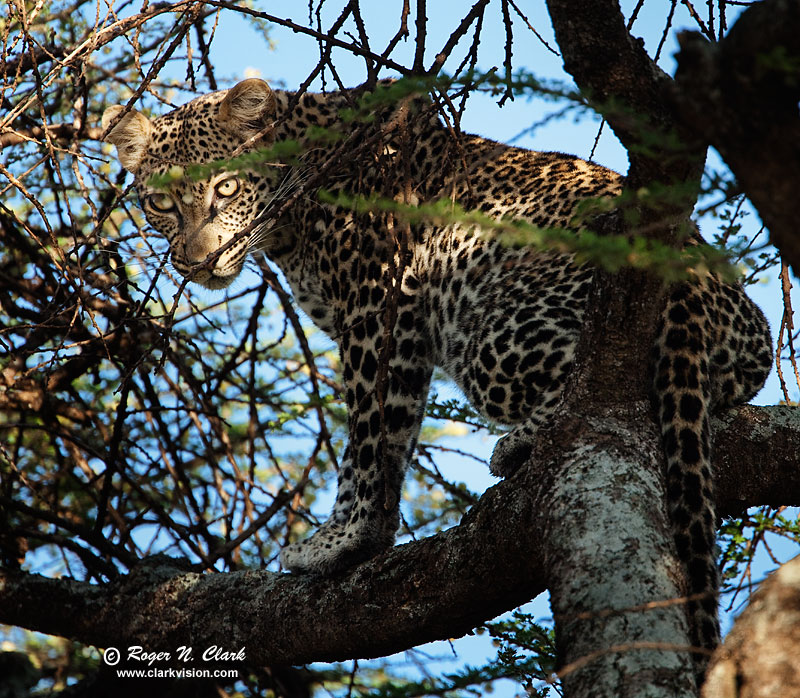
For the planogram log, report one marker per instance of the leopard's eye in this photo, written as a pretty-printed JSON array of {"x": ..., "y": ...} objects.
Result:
[
  {"x": 162, "y": 203},
  {"x": 227, "y": 187}
]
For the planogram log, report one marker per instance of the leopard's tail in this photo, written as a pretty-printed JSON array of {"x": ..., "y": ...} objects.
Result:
[{"x": 682, "y": 399}]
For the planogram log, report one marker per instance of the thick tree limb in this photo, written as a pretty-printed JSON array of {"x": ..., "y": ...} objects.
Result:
[
  {"x": 436, "y": 588},
  {"x": 628, "y": 88},
  {"x": 741, "y": 95},
  {"x": 761, "y": 655},
  {"x": 756, "y": 458}
]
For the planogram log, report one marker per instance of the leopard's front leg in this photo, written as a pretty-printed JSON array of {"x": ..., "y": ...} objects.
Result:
[{"x": 385, "y": 410}]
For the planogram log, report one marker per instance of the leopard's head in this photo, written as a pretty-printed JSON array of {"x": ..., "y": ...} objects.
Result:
[{"x": 198, "y": 216}]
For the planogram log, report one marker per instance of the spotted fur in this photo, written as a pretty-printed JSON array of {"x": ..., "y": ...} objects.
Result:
[{"x": 503, "y": 322}]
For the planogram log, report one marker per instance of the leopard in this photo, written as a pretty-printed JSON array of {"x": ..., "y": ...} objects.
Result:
[{"x": 402, "y": 295}]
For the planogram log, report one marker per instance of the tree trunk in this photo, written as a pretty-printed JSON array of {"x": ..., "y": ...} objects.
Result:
[{"x": 614, "y": 579}]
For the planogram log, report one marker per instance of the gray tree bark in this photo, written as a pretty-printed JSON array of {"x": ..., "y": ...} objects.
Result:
[{"x": 613, "y": 575}]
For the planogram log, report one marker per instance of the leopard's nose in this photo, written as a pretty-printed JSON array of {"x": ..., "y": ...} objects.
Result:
[{"x": 200, "y": 244}]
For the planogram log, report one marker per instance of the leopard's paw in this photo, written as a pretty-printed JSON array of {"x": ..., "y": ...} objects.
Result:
[
  {"x": 333, "y": 548},
  {"x": 510, "y": 452}
]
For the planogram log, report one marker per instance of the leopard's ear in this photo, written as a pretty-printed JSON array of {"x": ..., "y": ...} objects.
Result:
[
  {"x": 248, "y": 109},
  {"x": 131, "y": 135}
]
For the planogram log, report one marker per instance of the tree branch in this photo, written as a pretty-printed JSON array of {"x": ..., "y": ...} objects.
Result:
[
  {"x": 755, "y": 458},
  {"x": 436, "y": 588},
  {"x": 741, "y": 96},
  {"x": 55, "y": 131},
  {"x": 628, "y": 88}
]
